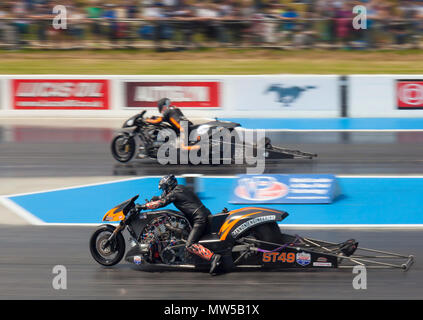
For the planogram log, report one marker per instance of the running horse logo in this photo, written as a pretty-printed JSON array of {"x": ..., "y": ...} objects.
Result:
[{"x": 287, "y": 95}]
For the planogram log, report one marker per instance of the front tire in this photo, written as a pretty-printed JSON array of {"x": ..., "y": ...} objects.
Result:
[
  {"x": 123, "y": 148},
  {"x": 111, "y": 254}
]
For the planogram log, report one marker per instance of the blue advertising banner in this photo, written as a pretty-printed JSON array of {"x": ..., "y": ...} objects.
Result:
[{"x": 285, "y": 188}]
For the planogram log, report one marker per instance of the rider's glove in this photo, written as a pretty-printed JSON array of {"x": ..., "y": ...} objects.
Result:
[{"x": 140, "y": 207}]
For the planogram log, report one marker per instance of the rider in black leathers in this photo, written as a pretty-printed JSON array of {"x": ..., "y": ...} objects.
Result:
[
  {"x": 174, "y": 117},
  {"x": 170, "y": 114},
  {"x": 195, "y": 211}
]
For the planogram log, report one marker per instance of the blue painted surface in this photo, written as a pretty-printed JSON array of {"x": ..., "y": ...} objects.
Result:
[
  {"x": 86, "y": 204},
  {"x": 363, "y": 201},
  {"x": 331, "y": 123}
]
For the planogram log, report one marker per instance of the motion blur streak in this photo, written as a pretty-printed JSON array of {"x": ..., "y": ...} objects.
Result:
[{"x": 28, "y": 253}]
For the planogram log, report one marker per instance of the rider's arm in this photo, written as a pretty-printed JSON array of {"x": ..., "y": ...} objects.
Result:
[
  {"x": 154, "y": 120},
  {"x": 175, "y": 122},
  {"x": 162, "y": 202}
]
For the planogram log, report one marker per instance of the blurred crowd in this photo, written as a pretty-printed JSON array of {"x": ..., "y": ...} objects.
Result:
[{"x": 182, "y": 24}]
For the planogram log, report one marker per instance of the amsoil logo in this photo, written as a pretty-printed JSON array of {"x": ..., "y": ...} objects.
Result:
[
  {"x": 260, "y": 188},
  {"x": 63, "y": 89},
  {"x": 45, "y": 94},
  {"x": 410, "y": 94}
]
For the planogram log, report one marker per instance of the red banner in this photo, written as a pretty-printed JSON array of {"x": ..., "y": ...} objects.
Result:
[
  {"x": 194, "y": 94},
  {"x": 62, "y": 94},
  {"x": 409, "y": 94}
]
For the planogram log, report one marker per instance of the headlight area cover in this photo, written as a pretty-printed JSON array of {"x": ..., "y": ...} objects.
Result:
[
  {"x": 203, "y": 129},
  {"x": 129, "y": 123}
]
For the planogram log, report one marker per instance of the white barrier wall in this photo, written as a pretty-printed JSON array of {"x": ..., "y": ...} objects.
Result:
[
  {"x": 199, "y": 96},
  {"x": 208, "y": 96},
  {"x": 385, "y": 96},
  {"x": 283, "y": 96}
]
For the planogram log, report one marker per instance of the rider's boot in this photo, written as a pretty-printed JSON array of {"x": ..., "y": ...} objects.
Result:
[
  {"x": 215, "y": 262},
  {"x": 206, "y": 254}
]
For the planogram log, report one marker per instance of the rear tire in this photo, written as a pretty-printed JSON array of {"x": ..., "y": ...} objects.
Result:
[
  {"x": 268, "y": 232},
  {"x": 111, "y": 254},
  {"x": 123, "y": 152}
]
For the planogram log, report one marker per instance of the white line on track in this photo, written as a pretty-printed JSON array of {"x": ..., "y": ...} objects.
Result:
[
  {"x": 21, "y": 212},
  {"x": 80, "y": 186},
  {"x": 344, "y": 130},
  {"x": 351, "y": 226},
  {"x": 334, "y": 130},
  {"x": 30, "y": 218}
]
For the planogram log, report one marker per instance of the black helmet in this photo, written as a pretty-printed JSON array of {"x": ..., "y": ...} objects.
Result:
[
  {"x": 167, "y": 183},
  {"x": 164, "y": 102}
]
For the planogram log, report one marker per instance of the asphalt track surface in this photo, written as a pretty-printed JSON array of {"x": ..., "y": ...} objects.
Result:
[{"x": 29, "y": 253}]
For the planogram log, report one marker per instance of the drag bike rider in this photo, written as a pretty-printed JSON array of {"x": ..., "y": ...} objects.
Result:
[
  {"x": 170, "y": 114},
  {"x": 194, "y": 210},
  {"x": 174, "y": 117}
]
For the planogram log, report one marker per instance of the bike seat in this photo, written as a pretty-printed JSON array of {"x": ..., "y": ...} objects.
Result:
[
  {"x": 209, "y": 238},
  {"x": 214, "y": 222}
]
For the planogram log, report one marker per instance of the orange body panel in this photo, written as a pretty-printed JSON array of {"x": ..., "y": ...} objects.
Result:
[
  {"x": 115, "y": 214},
  {"x": 229, "y": 223}
]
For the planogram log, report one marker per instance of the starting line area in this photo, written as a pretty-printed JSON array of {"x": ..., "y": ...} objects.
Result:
[{"x": 391, "y": 201}]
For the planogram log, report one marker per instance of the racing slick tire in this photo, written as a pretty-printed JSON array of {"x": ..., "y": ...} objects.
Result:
[
  {"x": 123, "y": 152},
  {"x": 113, "y": 253},
  {"x": 268, "y": 232}
]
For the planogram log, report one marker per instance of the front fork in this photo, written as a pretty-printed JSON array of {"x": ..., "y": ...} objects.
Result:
[{"x": 110, "y": 241}]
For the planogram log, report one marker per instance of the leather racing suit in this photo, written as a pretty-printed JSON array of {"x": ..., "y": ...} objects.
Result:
[{"x": 194, "y": 210}]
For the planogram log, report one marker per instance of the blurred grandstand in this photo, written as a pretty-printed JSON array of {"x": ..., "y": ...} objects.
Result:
[{"x": 185, "y": 24}]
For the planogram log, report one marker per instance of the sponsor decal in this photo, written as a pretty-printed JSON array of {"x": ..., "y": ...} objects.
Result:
[
  {"x": 251, "y": 223},
  {"x": 51, "y": 94},
  {"x": 287, "y": 95},
  {"x": 303, "y": 258},
  {"x": 183, "y": 94},
  {"x": 279, "y": 257},
  {"x": 321, "y": 259},
  {"x": 137, "y": 259},
  {"x": 322, "y": 264},
  {"x": 260, "y": 188},
  {"x": 284, "y": 188},
  {"x": 409, "y": 94}
]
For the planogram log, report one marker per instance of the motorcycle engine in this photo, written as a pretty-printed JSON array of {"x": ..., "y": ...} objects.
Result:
[{"x": 163, "y": 238}]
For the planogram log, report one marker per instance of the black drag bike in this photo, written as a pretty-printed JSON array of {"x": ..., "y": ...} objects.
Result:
[
  {"x": 247, "y": 237},
  {"x": 138, "y": 138}
]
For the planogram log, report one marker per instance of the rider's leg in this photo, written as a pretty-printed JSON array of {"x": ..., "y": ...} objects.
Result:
[{"x": 194, "y": 247}]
